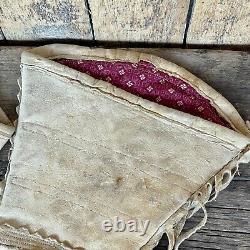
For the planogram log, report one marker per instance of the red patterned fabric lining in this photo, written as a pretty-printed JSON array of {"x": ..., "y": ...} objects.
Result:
[{"x": 145, "y": 80}]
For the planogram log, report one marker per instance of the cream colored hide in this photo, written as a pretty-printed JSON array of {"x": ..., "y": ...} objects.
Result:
[{"x": 87, "y": 154}]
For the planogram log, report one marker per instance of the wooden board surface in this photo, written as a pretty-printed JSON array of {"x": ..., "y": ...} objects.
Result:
[
  {"x": 220, "y": 22},
  {"x": 225, "y": 22},
  {"x": 228, "y": 225},
  {"x": 1, "y": 34},
  {"x": 160, "y": 21},
  {"x": 46, "y": 19}
]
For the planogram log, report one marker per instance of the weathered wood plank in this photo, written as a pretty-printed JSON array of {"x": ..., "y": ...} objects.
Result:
[
  {"x": 1, "y": 34},
  {"x": 220, "y": 22},
  {"x": 46, "y": 19},
  {"x": 9, "y": 73},
  {"x": 228, "y": 225},
  {"x": 161, "y": 21}
]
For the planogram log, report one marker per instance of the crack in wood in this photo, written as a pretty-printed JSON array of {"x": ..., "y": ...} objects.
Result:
[
  {"x": 224, "y": 231},
  {"x": 188, "y": 21},
  {"x": 2, "y": 34},
  {"x": 90, "y": 19},
  {"x": 229, "y": 208}
]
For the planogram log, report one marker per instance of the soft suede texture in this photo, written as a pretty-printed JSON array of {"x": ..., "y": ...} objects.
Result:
[{"x": 86, "y": 151}]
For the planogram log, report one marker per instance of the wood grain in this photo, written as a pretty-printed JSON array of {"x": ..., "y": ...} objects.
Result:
[
  {"x": 1, "y": 34},
  {"x": 9, "y": 73},
  {"x": 46, "y": 19},
  {"x": 161, "y": 21},
  {"x": 228, "y": 225},
  {"x": 220, "y": 22}
]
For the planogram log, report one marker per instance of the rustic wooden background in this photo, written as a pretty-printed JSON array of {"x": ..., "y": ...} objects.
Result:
[
  {"x": 186, "y": 22},
  {"x": 228, "y": 225}
]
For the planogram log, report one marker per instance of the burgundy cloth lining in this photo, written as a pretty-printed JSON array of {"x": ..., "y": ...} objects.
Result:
[{"x": 145, "y": 80}]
